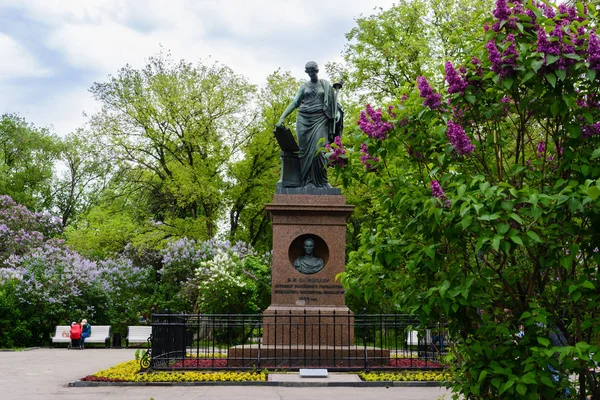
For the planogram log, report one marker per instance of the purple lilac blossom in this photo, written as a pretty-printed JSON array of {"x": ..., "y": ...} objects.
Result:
[
  {"x": 438, "y": 193},
  {"x": 505, "y": 104},
  {"x": 501, "y": 12},
  {"x": 371, "y": 124},
  {"x": 456, "y": 83},
  {"x": 547, "y": 9},
  {"x": 590, "y": 130},
  {"x": 496, "y": 60},
  {"x": 432, "y": 100},
  {"x": 436, "y": 190},
  {"x": 541, "y": 149},
  {"x": 510, "y": 55},
  {"x": 594, "y": 51},
  {"x": 336, "y": 158},
  {"x": 544, "y": 46},
  {"x": 457, "y": 137},
  {"x": 366, "y": 159}
]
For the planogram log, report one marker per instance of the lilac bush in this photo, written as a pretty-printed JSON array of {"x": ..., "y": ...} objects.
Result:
[
  {"x": 491, "y": 222},
  {"x": 52, "y": 284},
  {"x": 190, "y": 266}
]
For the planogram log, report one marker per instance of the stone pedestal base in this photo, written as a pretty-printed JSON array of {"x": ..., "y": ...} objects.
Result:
[
  {"x": 294, "y": 356},
  {"x": 310, "y": 326}
]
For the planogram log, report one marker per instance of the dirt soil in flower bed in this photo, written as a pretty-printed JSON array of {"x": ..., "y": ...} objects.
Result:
[{"x": 222, "y": 363}]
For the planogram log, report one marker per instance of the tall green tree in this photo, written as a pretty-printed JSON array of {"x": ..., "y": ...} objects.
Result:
[
  {"x": 85, "y": 170},
  {"x": 254, "y": 176},
  {"x": 388, "y": 50},
  {"x": 27, "y": 156},
  {"x": 174, "y": 126}
]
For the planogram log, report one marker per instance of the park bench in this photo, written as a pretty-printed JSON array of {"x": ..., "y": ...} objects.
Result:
[
  {"x": 100, "y": 334},
  {"x": 61, "y": 335},
  {"x": 137, "y": 334},
  {"x": 412, "y": 338}
]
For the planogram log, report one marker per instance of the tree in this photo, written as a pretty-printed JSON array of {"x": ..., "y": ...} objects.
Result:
[
  {"x": 174, "y": 127},
  {"x": 488, "y": 203},
  {"x": 254, "y": 176},
  {"x": 389, "y": 49},
  {"x": 27, "y": 156},
  {"x": 85, "y": 173}
]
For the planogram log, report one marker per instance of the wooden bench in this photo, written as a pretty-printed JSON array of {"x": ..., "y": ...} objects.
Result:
[
  {"x": 137, "y": 334},
  {"x": 100, "y": 334},
  {"x": 61, "y": 335}
]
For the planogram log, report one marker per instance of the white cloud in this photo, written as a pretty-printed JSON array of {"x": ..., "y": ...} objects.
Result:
[
  {"x": 94, "y": 38},
  {"x": 16, "y": 61}
]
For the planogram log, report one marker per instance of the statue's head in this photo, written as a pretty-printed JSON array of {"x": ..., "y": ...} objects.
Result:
[
  {"x": 311, "y": 65},
  {"x": 309, "y": 246}
]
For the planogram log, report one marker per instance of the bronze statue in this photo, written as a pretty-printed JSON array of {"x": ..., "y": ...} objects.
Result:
[
  {"x": 309, "y": 263},
  {"x": 318, "y": 122}
]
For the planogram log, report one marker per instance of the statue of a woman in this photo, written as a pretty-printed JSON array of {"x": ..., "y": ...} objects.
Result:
[
  {"x": 309, "y": 263},
  {"x": 317, "y": 110}
]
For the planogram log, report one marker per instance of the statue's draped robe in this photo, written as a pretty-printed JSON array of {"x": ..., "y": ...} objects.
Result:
[
  {"x": 309, "y": 264},
  {"x": 315, "y": 102}
]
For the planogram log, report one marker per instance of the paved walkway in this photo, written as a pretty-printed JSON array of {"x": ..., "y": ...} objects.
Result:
[{"x": 43, "y": 374}]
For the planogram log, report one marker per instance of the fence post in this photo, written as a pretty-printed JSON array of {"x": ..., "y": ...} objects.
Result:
[
  {"x": 365, "y": 337},
  {"x": 262, "y": 332}
]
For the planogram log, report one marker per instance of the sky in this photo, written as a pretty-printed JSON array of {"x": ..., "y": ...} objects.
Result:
[{"x": 52, "y": 51}]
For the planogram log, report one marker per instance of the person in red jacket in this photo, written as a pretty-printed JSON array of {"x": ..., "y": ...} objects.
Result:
[{"x": 75, "y": 334}]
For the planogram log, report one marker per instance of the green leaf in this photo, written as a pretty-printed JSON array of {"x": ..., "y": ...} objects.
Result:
[
  {"x": 516, "y": 239},
  {"x": 480, "y": 242},
  {"x": 546, "y": 381},
  {"x": 430, "y": 251},
  {"x": 589, "y": 285},
  {"x": 574, "y": 204},
  {"x": 588, "y": 117},
  {"x": 507, "y": 386},
  {"x": 555, "y": 107},
  {"x": 466, "y": 221},
  {"x": 593, "y": 192},
  {"x": 496, "y": 242},
  {"x": 496, "y": 382},
  {"x": 551, "y": 78},
  {"x": 507, "y": 83},
  {"x": 527, "y": 77},
  {"x": 561, "y": 73},
  {"x": 444, "y": 287},
  {"x": 521, "y": 389},
  {"x": 596, "y": 153},
  {"x": 572, "y": 288},
  {"x": 536, "y": 65},
  {"x": 551, "y": 59},
  {"x": 507, "y": 205},
  {"x": 591, "y": 74},
  {"x": 489, "y": 217},
  {"x": 517, "y": 218},
  {"x": 534, "y": 236},
  {"x": 502, "y": 227},
  {"x": 470, "y": 98},
  {"x": 482, "y": 376},
  {"x": 543, "y": 341}
]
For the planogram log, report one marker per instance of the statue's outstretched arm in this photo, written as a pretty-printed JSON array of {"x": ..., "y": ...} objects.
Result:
[{"x": 292, "y": 106}]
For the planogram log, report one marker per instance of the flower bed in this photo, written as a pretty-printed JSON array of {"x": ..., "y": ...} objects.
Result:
[
  {"x": 412, "y": 376},
  {"x": 129, "y": 372}
]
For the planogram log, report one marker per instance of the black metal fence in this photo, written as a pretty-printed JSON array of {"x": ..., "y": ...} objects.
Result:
[{"x": 286, "y": 340}]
